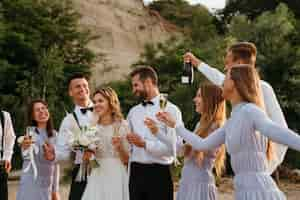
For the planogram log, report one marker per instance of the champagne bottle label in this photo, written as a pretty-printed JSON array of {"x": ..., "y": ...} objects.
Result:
[
  {"x": 188, "y": 73},
  {"x": 185, "y": 79}
]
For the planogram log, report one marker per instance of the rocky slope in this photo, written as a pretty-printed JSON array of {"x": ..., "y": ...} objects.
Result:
[{"x": 124, "y": 27}]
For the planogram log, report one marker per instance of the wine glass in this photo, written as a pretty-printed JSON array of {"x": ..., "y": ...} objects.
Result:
[
  {"x": 30, "y": 132},
  {"x": 163, "y": 100}
]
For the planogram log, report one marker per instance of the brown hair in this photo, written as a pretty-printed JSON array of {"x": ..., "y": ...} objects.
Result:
[
  {"x": 247, "y": 83},
  {"x": 213, "y": 117},
  {"x": 245, "y": 51},
  {"x": 32, "y": 122},
  {"x": 111, "y": 96},
  {"x": 145, "y": 73},
  {"x": 77, "y": 76}
]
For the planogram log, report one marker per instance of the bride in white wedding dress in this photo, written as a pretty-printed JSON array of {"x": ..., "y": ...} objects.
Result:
[{"x": 110, "y": 180}]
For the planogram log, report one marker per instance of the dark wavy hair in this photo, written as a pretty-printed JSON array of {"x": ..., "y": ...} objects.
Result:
[{"x": 33, "y": 122}]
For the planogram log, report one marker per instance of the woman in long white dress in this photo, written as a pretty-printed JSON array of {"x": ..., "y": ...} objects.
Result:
[{"x": 109, "y": 181}]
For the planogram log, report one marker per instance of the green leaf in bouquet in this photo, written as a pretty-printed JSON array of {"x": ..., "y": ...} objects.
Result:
[{"x": 94, "y": 164}]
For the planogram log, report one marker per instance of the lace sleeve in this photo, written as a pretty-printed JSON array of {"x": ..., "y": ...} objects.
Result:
[{"x": 123, "y": 131}]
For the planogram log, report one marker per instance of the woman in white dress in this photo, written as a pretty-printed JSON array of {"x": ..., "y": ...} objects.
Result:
[{"x": 110, "y": 180}]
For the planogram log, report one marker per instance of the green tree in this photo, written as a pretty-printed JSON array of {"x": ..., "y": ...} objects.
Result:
[
  {"x": 278, "y": 55},
  {"x": 41, "y": 45},
  {"x": 254, "y": 8}
]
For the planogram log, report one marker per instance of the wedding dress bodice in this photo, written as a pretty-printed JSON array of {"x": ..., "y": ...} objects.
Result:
[{"x": 105, "y": 149}]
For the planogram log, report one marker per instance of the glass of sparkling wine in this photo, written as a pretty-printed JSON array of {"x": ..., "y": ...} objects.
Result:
[
  {"x": 163, "y": 99},
  {"x": 30, "y": 131}
]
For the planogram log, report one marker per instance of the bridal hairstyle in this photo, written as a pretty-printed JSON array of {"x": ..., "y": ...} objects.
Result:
[
  {"x": 212, "y": 118},
  {"x": 247, "y": 83},
  {"x": 245, "y": 51},
  {"x": 113, "y": 101},
  {"x": 33, "y": 122}
]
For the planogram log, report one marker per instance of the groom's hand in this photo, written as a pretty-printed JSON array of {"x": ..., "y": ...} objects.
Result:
[
  {"x": 88, "y": 154},
  {"x": 136, "y": 140}
]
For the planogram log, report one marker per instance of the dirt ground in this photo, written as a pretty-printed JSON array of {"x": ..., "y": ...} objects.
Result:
[{"x": 292, "y": 191}]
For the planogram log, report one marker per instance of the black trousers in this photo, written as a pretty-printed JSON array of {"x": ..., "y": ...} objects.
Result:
[
  {"x": 77, "y": 188},
  {"x": 150, "y": 182},
  {"x": 3, "y": 184}
]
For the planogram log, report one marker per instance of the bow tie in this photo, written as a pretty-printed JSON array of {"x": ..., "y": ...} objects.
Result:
[
  {"x": 145, "y": 103},
  {"x": 84, "y": 110}
]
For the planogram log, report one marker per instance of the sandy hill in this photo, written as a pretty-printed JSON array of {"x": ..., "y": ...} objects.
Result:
[{"x": 124, "y": 26}]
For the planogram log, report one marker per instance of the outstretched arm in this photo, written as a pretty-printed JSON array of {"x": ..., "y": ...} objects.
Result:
[
  {"x": 274, "y": 131},
  {"x": 212, "y": 74},
  {"x": 213, "y": 141}
]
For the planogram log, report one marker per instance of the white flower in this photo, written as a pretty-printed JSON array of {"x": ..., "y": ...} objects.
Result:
[
  {"x": 20, "y": 139},
  {"x": 84, "y": 141}
]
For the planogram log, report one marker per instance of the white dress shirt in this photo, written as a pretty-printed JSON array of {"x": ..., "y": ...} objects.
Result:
[
  {"x": 9, "y": 137},
  {"x": 67, "y": 127},
  {"x": 155, "y": 151},
  {"x": 272, "y": 106}
]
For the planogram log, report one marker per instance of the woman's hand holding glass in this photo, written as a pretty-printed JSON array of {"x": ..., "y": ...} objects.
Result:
[
  {"x": 27, "y": 142},
  {"x": 117, "y": 142},
  {"x": 166, "y": 118}
]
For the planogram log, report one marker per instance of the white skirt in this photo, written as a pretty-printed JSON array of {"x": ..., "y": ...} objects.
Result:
[{"x": 108, "y": 182}]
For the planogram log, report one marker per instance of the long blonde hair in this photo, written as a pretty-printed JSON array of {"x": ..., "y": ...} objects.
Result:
[
  {"x": 247, "y": 82},
  {"x": 212, "y": 117},
  {"x": 113, "y": 101}
]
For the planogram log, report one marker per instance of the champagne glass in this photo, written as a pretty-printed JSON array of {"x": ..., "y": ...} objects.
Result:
[
  {"x": 163, "y": 100},
  {"x": 30, "y": 131}
]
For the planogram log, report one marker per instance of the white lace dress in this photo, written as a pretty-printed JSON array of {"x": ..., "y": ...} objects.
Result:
[{"x": 110, "y": 180}]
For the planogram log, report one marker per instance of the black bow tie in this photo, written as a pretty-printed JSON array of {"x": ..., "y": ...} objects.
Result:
[
  {"x": 145, "y": 103},
  {"x": 84, "y": 110}
]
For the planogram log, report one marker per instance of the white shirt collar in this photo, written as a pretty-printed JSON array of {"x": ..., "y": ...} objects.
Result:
[{"x": 77, "y": 107}]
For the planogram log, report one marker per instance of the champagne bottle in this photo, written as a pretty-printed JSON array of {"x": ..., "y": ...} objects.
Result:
[{"x": 188, "y": 73}]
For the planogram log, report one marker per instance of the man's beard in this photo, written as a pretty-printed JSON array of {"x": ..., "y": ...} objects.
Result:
[{"x": 141, "y": 95}]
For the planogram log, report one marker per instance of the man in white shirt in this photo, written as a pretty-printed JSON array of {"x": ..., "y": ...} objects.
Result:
[
  {"x": 150, "y": 159},
  {"x": 245, "y": 53},
  {"x": 80, "y": 117},
  {"x": 7, "y": 141}
]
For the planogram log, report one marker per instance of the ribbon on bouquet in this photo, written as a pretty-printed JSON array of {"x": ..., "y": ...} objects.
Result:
[
  {"x": 85, "y": 168},
  {"x": 82, "y": 172},
  {"x": 33, "y": 149}
]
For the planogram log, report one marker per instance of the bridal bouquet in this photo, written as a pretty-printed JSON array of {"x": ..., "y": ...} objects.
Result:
[{"x": 85, "y": 140}]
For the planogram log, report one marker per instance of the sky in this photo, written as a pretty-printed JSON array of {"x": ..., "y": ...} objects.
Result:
[{"x": 211, "y": 4}]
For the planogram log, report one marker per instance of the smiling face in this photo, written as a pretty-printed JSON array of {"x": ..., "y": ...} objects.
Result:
[
  {"x": 79, "y": 90},
  {"x": 139, "y": 88},
  {"x": 40, "y": 113},
  {"x": 101, "y": 105},
  {"x": 198, "y": 100}
]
